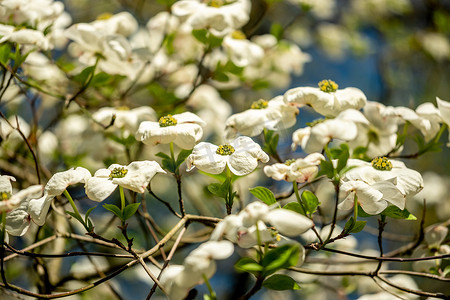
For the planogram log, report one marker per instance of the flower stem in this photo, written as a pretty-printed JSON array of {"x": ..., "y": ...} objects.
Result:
[
  {"x": 122, "y": 199},
  {"x": 355, "y": 208},
  {"x": 212, "y": 293},
  {"x": 74, "y": 207},
  {"x": 297, "y": 195}
]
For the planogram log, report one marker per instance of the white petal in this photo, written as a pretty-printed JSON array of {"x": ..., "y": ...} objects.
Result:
[
  {"x": 188, "y": 117},
  {"x": 205, "y": 158},
  {"x": 139, "y": 175},
  {"x": 38, "y": 208},
  {"x": 18, "y": 221},
  {"x": 288, "y": 222},
  {"x": 99, "y": 188},
  {"x": 60, "y": 181}
]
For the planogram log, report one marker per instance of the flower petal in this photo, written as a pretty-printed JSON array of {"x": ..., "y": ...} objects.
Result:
[
  {"x": 288, "y": 222},
  {"x": 99, "y": 188},
  {"x": 139, "y": 175},
  {"x": 205, "y": 158}
]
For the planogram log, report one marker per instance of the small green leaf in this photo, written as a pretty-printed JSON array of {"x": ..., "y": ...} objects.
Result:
[
  {"x": 101, "y": 79},
  {"x": 182, "y": 157},
  {"x": 163, "y": 155},
  {"x": 354, "y": 227},
  {"x": 249, "y": 265},
  {"x": 342, "y": 158},
  {"x": 277, "y": 30},
  {"x": 86, "y": 216},
  {"x": 280, "y": 258},
  {"x": 264, "y": 194},
  {"x": 220, "y": 189},
  {"x": 326, "y": 168},
  {"x": 294, "y": 206},
  {"x": 169, "y": 165},
  {"x": 83, "y": 76},
  {"x": 115, "y": 210},
  {"x": 362, "y": 213},
  {"x": 396, "y": 213},
  {"x": 76, "y": 216},
  {"x": 5, "y": 53},
  {"x": 360, "y": 153},
  {"x": 200, "y": 35},
  {"x": 280, "y": 282},
  {"x": 310, "y": 201},
  {"x": 130, "y": 210}
]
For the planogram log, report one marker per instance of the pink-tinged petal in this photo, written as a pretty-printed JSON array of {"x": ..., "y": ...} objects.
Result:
[
  {"x": 139, "y": 175},
  {"x": 205, "y": 158},
  {"x": 288, "y": 222},
  {"x": 99, "y": 188}
]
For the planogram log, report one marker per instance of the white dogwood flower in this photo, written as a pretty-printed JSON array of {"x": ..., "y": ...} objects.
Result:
[
  {"x": 125, "y": 119},
  {"x": 378, "y": 184},
  {"x": 274, "y": 114},
  {"x": 327, "y": 99},
  {"x": 300, "y": 170},
  {"x": 8, "y": 200},
  {"x": 38, "y": 208},
  {"x": 241, "y": 156},
  {"x": 184, "y": 130},
  {"x": 136, "y": 177},
  {"x": 220, "y": 17},
  {"x": 200, "y": 263},
  {"x": 243, "y": 228}
]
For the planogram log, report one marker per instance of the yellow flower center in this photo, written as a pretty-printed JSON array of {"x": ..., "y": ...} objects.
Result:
[
  {"x": 225, "y": 150},
  {"x": 289, "y": 162},
  {"x": 215, "y": 3},
  {"x": 260, "y": 104},
  {"x": 123, "y": 107},
  {"x": 328, "y": 86},
  {"x": 118, "y": 172},
  {"x": 104, "y": 16},
  {"x": 167, "y": 121},
  {"x": 238, "y": 35},
  {"x": 381, "y": 163},
  {"x": 5, "y": 196}
]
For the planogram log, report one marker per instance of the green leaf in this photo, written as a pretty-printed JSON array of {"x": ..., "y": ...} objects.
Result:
[
  {"x": 205, "y": 37},
  {"x": 294, "y": 206},
  {"x": 360, "y": 153},
  {"x": 310, "y": 201},
  {"x": 182, "y": 157},
  {"x": 248, "y": 265},
  {"x": 5, "y": 53},
  {"x": 220, "y": 177},
  {"x": 130, "y": 210},
  {"x": 86, "y": 216},
  {"x": 264, "y": 194},
  {"x": 75, "y": 215},
  {"x": 277, "y": 30},
  {"x": 100, "y": 79},
  {"x": 396, "y": 213},
  {"x": 342, "y": 158},
  {"x": 115, "y": 210},
  {"x": 326, "y": 168},
  {"x": 354, "y": 227},
  {"x": 280, "y": 258},
  {"x": 220, "y": 189},
  {"x": 362, "y": 213},
  {"x": 83, "y": 76},
  {"x": 169, "y": 165},
  {"x": 163, "y": 155},
  {"x": 280, "y": 282}
]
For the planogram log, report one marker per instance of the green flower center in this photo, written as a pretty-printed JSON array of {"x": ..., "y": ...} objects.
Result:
[
  {"x": 5, "y": 196},
  {"x": 118, "y": 172},
  {"x": 238, "y": 35},
  {"x": 225, "y": 150},
  {"x": 328, "y": 86},
  {"x": 381, "y": 163},
  {"x": 289, "y": 162},
  {"x": 167, "y": 121},
  {"x": 260, "y": 104}
]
